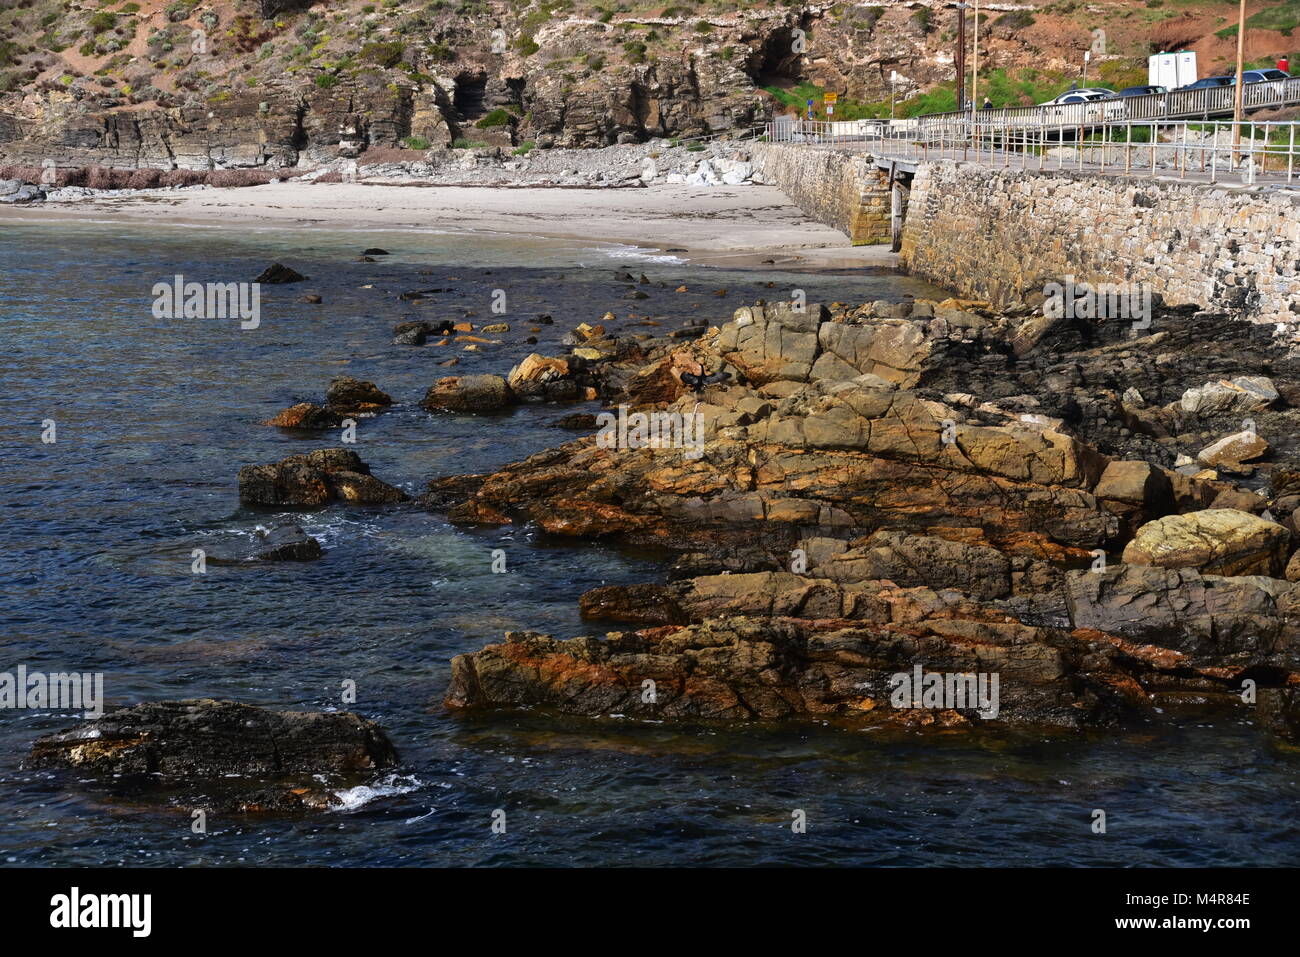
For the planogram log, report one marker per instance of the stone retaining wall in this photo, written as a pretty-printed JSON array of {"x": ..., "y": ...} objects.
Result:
[
  {"x": 1002, "y": 234},
  {"x": 839, "y": 189}
]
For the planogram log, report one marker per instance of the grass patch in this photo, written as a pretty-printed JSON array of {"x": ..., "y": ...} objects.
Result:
[{"x": 498, "y": 117}]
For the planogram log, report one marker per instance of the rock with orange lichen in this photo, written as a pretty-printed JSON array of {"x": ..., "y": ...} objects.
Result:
[
  {"x": 745, "y": 668},
  {"x": 306, "y": 415}
]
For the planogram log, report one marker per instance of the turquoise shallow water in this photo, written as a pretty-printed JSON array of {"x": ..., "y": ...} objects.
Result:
[{"x": 156, "y": 416}]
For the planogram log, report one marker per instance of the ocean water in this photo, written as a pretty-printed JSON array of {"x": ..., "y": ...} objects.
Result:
[{"x": 155, "y": 417}]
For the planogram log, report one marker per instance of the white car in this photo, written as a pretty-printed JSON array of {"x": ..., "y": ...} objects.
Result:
[
  {"x": 1081, "y": 96},
  {"x": 1108, "y": 106}
]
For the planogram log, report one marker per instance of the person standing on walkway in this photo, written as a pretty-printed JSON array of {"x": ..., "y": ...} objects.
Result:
[
  {"x": 988, "y": 104},
  {"x": 1283, "y": 64}
]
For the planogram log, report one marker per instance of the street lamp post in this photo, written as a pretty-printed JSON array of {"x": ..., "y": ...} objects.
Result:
[
  {"x": 975, "y": 70},
  {"x": 960, "y": 61},
  {"x": 1237, "y": 95}
]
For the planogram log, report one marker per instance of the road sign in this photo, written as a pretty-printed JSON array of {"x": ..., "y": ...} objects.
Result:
[
  {"x": 830, "y": 110},
  {"x": 830, "y": 98}
]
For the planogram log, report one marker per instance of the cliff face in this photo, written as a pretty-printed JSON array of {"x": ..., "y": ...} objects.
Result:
[{"x": 215, "y": 84}]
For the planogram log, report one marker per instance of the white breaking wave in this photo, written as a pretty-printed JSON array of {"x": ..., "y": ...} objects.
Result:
[
  {"x": 638, "y": 254},
  {"x": 394, "y": 784}
]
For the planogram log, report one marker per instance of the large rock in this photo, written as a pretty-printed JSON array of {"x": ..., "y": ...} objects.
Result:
[
  {"x": 468, "y": 393},
  {"x": 15, "y": 191},
  {"x": 748, "y": 669},
  {"x": 1240, "y": 396},
  {"x": 1210, "y": 620},
  {"x": 1216, "y": 541},
  {"x": 349, "y": 396},
  {"x": 539, "y": 378},
  {"x": 317, "y": 478},
  {"x": 306, "y": 415},
  {"x": 1233, "y": 450},
  {"x": 215, "y": 751}
]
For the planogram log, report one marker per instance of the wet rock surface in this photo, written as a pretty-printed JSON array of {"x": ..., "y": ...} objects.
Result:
[
  {"x": 222, "y": 754},
  {"x": 317, "y": 478},
  {"x": 894, "y": 485},
  {"x": 285, "y": 543}
]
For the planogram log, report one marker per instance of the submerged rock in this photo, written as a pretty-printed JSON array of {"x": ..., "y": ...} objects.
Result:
[
  {"x": 317, "y": 478},
  {"x": 284, "y": 543}
]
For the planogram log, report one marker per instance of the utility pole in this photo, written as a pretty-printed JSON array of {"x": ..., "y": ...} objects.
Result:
[
  {"x": 1237, "y": 95},
  {"x": 975, "y": 73},
  {"x": 961, "y": 54}
]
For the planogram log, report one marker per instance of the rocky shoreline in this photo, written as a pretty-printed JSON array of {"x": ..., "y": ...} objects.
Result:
[
  {"x": 1092, "y": 525},
  {"x": 853, "y": 515}
]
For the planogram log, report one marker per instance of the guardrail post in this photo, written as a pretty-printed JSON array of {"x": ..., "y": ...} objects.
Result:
[{"x": 1290, "y": 155}]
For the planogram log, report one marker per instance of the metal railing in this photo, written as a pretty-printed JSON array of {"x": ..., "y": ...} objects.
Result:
[
  {"x": 1207, "y": 103},
  {"x": 1213, "y": 150}
]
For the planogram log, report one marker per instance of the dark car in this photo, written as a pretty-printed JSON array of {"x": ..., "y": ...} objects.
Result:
[
  {"x": 1263, "y": 76},
  {"x": 1208, "y": 82},
  {"x": 1142, "y": 90}
]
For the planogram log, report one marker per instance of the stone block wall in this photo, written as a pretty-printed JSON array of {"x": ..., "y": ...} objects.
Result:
[
  {"x": 843, "y": 190},
  {"x": 1002, "y": 234}
]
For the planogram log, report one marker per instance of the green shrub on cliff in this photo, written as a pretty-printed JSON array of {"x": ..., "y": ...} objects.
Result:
[
  {"x": 634, "y": 51},
  {"x": 385, "y": 54},
  {"x": 497, "y": 117},
  {"x": 1015, "y": 20},
  {"x": 416, "y": 143},
  {"x": 101, "y": 22}
]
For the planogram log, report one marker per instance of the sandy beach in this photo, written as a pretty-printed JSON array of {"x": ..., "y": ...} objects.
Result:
[{"x": 737, "y": 226}]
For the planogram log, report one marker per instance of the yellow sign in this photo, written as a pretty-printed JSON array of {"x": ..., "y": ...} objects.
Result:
[{"x": 830, "y": 97}]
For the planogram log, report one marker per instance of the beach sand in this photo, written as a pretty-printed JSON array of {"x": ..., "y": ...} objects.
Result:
[{"x": 736, "y": 226}]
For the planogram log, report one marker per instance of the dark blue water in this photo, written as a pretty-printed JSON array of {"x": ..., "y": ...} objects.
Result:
[{"x": 154, "y": 419}]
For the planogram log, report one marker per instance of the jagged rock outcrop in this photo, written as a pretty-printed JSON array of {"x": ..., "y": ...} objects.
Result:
[{"x": 843, "y": 522}]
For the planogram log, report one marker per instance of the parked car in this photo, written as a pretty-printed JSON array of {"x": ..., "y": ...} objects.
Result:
[
  {"x": 1081, "y": 96},
  {"x": 1142, "y": 90},
  {"x": 1263, "y": 76},
  {"x": 1208, "y": 82},
  {"x": 1108, "y": 105}
]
